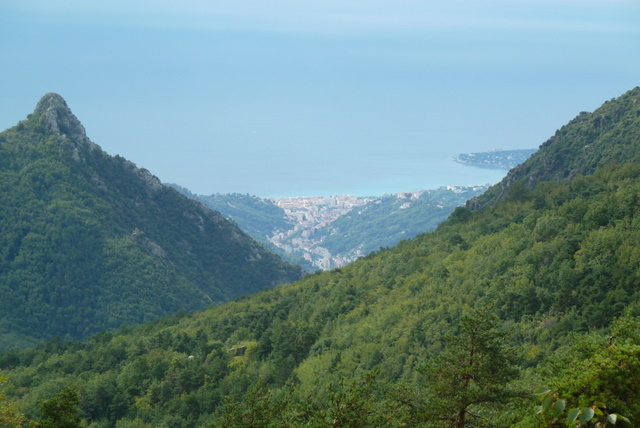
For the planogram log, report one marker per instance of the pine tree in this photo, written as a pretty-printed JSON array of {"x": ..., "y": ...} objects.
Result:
[
  {"x": 471, "y": 376},
  {"x": 61, "y": 411}
]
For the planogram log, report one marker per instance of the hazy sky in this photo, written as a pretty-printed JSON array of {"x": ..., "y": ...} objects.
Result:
[{"x": 306, "y": 97}]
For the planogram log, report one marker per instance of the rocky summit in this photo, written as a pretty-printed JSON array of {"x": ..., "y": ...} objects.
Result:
[{"x": 59, "y": 119}]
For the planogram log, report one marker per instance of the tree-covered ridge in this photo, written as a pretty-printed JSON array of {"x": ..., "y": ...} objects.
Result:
[
  {"x": 89, "y": 241},
  {"x": 608, "y": 135},
  {"x": 259, "y": 217},
  {"x": 385, "y": 221},
  {"x": 536, "y": 292}
]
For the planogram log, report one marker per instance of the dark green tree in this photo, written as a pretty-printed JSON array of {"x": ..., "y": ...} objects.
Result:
[
  {"x": 258, "y": 409},
  {"x": 470, "y": 377},
  {"x": 61, "y": 411}
]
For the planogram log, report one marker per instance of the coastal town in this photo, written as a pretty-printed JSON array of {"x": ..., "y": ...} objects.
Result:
[
  {"x": 311, "y": 220},
  {"x": 309, "y": 214}
]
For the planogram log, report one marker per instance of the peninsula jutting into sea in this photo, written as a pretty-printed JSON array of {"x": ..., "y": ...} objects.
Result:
[{"x": 495, "y": 159}]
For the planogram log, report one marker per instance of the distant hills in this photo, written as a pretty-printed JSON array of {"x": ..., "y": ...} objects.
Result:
[
  {"x": 91, "y": 242},
  {"x": 258, "y": 217},
  {"x": 329, "y": 232},
  {"x": 320, "y": 232}
]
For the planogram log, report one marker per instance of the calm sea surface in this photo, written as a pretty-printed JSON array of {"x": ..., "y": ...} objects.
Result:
[{"x": 370, "y": 178}]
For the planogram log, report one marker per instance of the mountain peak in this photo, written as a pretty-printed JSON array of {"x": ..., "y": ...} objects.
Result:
[{"x": 59, "y": 119}]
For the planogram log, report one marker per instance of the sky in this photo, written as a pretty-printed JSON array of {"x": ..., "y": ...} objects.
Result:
[{"x": 317, "y": 97}]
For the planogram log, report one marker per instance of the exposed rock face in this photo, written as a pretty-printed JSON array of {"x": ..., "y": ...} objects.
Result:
[
  {"x": 60, "y": 120},
  {"x": 153, "y": 183}
]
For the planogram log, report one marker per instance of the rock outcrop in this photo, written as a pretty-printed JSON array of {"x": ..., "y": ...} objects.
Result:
[{"x": 59, "y": 119}]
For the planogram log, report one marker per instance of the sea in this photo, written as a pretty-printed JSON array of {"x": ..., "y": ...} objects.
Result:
[{"x": 370, "y": 178}]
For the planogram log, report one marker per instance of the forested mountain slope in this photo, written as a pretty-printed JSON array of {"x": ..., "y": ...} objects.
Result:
[
  {"x": 259, "y": 217},
  {"x": 386, "y": 220},
  {"x": 90, "y": 242},
  {"x": 457, "y": 327},
  {"x": 608, "y": 135}
]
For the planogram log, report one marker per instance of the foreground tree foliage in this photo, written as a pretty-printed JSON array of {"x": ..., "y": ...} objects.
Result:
[
  {"x": 471, "y": 374},
  {"x": 595, "y": 380},
  {"x": 349, "y": 404},
  {"x": 61, "y": 411},
  {"x": 10, "y": 416}
]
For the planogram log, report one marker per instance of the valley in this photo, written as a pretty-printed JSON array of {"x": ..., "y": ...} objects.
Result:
[
  {"x": 309, "y": 215},
  {"x": 331, "y": 232},
  {"x": 327, "y": 232},
  {"x": 520, "y": 309},
  {"x": 322, "y": 233}
]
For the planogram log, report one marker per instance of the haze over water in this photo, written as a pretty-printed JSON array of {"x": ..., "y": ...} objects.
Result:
[
  {"x": 372, "y": 178},
  {"x": 290, "y": 98}
]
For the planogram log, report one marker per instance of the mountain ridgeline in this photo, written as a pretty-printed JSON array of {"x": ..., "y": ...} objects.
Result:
[
  {"x": 536, "y": 289},
  {"x": 606, "y": 136},
  {"x": 91, "y": 242}
]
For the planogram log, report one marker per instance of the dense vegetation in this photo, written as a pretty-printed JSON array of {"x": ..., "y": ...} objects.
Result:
[
  {"x": 90, "y": 242},
  {"x": 557, "y": 260},
  {"x": 525, "y": 313},
  {"x": 259, "y": 217},
  {"x": 608, "y": 135},
  {"x": 387, "y": 220}
]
